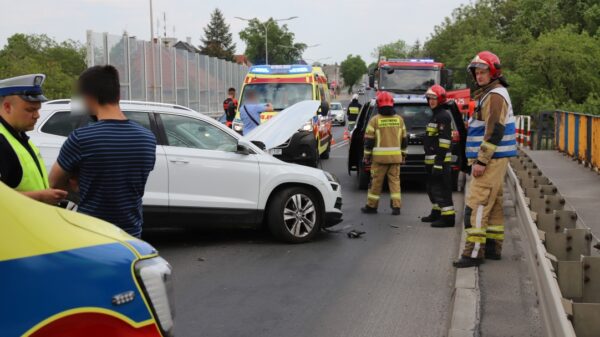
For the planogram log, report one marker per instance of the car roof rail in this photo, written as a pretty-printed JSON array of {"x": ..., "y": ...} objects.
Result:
[
  {"x": 59, "y": 101},
  {"x": 166, "y": 105}
]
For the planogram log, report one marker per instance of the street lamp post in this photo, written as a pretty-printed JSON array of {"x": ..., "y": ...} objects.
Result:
[{"x": 266, "y": 28}]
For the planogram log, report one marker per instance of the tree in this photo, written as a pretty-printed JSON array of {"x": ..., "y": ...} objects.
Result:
[
  {"x": 352, "y": 68},
  {"x": 60, "y": 62},
  {"x": 282, "y": 48},
  {"x": 217, "y": 40},
  {"x": 397, "y": 49}
]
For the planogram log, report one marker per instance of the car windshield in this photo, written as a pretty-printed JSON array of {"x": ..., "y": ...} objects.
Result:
[
  {"x": 281, "y": 95},
  {"x": 415, "y": 116},
  {"x": 336, "y": 106},
  {"x": 409, "y": 80}
]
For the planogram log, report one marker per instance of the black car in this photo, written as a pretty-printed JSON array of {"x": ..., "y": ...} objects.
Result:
[{"x": 416, "y": 114}]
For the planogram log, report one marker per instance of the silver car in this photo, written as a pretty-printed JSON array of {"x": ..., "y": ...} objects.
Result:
[{"x": 338, "y": 115}]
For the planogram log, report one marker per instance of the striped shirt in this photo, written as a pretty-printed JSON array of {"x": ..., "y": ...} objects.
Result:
[{"x": 112, "y": 159}]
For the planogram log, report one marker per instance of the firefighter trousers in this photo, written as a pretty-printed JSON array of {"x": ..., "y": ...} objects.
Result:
[
  {"x": 484, "y": 214},
  {"x": 439, "y": 189},
  {"x": 378, "y": 174}
]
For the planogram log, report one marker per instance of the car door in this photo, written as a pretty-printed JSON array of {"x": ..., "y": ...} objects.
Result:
[
  {"x": 156, "y": 193},
  {"x": 355, "y": 150},
  {"x": 205, "y": 171}
]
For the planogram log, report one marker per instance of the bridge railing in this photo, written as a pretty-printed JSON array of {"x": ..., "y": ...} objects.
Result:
[
  {"x": 578, "y": 135},
  {"x": 156, "y": 72}
]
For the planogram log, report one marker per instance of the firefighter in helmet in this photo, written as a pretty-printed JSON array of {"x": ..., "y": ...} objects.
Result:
[
  {"x": 353, "y": 110},
  {"x": 385, "y": 150},
  {"x": 490, "y": 143},
  {"x": 438, "y": 156}
]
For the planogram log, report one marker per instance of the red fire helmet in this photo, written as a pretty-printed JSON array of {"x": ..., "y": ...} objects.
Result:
[
  {"x": 438, "y": 92},
  {"x": 384, "y": 98},
  {"x": 488, "y": 60}
]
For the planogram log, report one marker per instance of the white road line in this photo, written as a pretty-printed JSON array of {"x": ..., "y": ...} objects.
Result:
[{"x": 338, "y": 145}]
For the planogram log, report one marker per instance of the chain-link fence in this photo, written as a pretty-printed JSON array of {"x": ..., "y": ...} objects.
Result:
[{"x": 157, "y": 73}]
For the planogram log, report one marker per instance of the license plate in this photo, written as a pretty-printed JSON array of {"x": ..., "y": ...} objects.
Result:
[{"x": 275, "y": 152}]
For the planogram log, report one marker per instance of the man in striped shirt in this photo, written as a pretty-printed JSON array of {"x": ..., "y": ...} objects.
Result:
[{"x": 110, "y": 158}]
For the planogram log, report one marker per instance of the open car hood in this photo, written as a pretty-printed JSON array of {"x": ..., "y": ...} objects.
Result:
[{"x": 283, "y": 125}]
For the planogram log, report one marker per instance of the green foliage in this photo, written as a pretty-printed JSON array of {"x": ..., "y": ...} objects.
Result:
[
  {"x": 282, "y": 48},
  {"x": 60, "y": 62},
  {"x": 352, "y": 68},
  {"x": 217, "y": 40},
  {"x": 396, "y": 49},
  {"x": 550, "y": 49}
]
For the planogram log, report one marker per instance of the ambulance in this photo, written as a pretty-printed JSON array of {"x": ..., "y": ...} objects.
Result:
[
  {"x": 284, "y": 86},
  {"x": 66, "y": 274}
]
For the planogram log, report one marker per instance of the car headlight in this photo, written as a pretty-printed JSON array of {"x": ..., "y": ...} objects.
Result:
[
  {"x": 307, "y": 126},
  {"x": 155, "y": 275},
  {"x": 330, "y": 177}
]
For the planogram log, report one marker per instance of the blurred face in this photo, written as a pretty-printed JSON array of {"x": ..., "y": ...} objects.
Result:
[
  {"x": 482, "y": 76},
  {"x": 20, "y": 114},
  {"x": 90, "y": 105},
  {"x": 232, "y": 93},
  {"x": 433, "y": 102}
]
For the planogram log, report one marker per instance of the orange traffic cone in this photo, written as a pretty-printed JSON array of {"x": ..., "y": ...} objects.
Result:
[
  {"x": 332, "y": 140},
  {"x": 346, "y": 134}
]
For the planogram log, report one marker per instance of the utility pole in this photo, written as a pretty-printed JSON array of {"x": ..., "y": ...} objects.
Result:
[{"x": 151, "y": 23}]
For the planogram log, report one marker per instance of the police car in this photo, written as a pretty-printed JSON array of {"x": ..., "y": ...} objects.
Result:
[
  {"x": 208, "y": 175},
  {"x": 68, "y": 274}
]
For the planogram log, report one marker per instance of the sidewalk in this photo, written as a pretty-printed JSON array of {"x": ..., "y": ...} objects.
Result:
[
  {"x": 579, "y": 185},
  {"x": 501, "y": 301}
]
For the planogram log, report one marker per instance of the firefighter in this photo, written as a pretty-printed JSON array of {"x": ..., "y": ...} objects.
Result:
[
  {"x": 490, "y": 143},
  {"x": 230, "y": 105},
  {"x": 21, "y": 165},
  {"x": 353, "y": 111},
  {"x": 438, "y": 156},
  {"x": 385, "y": 150}
]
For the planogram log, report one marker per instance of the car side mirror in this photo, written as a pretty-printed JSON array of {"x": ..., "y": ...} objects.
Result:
[
  {"x": 242, "y": 149},
  {"x": 259, "y": 144}
]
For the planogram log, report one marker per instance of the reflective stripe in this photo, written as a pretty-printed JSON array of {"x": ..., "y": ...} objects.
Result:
[
  {"x": 495, "y": 232},
  {"x": 448, "y": 208},
  {"x": 386, "y": 151},
  {"x": 452, "y": 212},
  {"x": 395, "y": 196},
  {"x": 444, "y": 146},
  {"x": 437, "y": 167},
  {"x": 509, "y": 148},
  {"x": 353, "y": 110},
  {"x": 480, "y": 138},
  {"x": 445, "y": 141},
  {"x": 477, "y": 240},
  {"x": 431, "y": 156},
  {"x": 372, "y": 196},
  {"x": 435, "y": 207},
  {"x": 478, "y": 228},
  {"x": 370, "y": 128},
  {"x": 367, "y": 152},
  {"x": 432, "y": 125},
  {"x": 495, "y": 236}
]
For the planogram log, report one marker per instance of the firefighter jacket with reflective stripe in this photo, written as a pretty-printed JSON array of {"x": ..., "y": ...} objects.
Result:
[
  {"x": 353, "y": 110},
  {"x": 385, "y": 139},
  {"x": 438, "y": 137},
  {"x": 34, "y": 177},
  {"x": 491, "y": 131}
]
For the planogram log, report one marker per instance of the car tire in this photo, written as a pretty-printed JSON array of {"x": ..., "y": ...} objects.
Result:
[
  {"x": 325, "y": 155},
  {"x": 363, "y": 177},
  {"x": 292, "y": 223}
]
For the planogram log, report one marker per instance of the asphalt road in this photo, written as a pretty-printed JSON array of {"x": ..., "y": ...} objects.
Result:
[{"x": 396, "y": 280}]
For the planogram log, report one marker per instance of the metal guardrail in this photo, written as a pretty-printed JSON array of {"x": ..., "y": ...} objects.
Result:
[
  {"x": 578, "y": 135},
  {"x": 565, "y": 276},
  {"x": 155, "y": 72}
]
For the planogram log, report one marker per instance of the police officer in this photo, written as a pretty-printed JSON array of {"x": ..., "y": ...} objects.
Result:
[
  {"x": 353, "y": 111},
  {"x": 21, "y": 165},
  {"x": 438, "y": 156},
  {"x": 385, "y": 150},
  {"x": 490, "y": 142}
]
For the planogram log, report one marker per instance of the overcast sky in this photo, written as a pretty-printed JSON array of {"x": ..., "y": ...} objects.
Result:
[{"x": 340, "y": 27}]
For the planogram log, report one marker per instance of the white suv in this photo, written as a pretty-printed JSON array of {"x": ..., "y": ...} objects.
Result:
[{"x": 208, "y": 175}]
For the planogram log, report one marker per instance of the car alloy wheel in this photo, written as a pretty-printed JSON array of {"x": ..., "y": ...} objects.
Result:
[{"x": 299, "y": 215}]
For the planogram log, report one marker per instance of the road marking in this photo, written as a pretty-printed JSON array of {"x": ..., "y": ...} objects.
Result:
[{"x": 338, "y": 145}]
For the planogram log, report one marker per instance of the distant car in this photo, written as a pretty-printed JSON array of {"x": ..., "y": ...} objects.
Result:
[
  {"x": 361, "y": 91},
  {"x": 338, "y": 114},
  {"x": 208, "y": 175},
  {"x": 416, "y": 114}
]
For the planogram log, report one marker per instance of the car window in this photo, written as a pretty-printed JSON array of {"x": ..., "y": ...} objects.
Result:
[
  {"x": 62, "y": 123},
  {"x": 193, "y": 133},
  {"x": 336, "y": 106},
  {"x": 139, "y": 117}
]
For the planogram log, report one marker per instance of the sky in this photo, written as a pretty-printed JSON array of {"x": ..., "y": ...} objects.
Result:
[{"x": 339, "y": 27}]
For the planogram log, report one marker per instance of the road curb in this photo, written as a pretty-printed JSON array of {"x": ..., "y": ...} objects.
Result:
[{"x": 464, "y": 320}]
